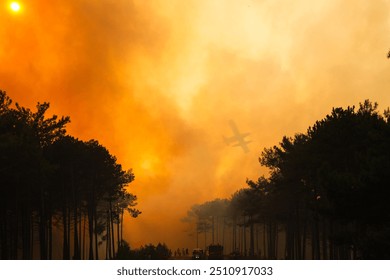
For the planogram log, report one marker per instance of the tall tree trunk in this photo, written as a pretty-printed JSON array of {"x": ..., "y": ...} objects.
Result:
[
  {"x": 16, "y": 238},
  {"x": 264, "y": 240},
  {"x": 32, "y": 236},
  {"x": 324, "y": 240},
  {"x": 76, "y": 245},
  {"x": 42, "y": 227},
  {"x": 80, "y": 230},
  {"x": 26, "y": 233},
  {"x": 316, "y": 254},
  {"x": 223, "y": 232},
  {"x": 108, "y": 237},
  {"x": 234, "y": 235},
  {"x": 276, "y": 250},
  {"x": 270, "y": 242},
  {"x": 331, "y": 244},
  {"x": 50, "y": 236},
  {"x": 304, "y": 237},
  {"x": 298, "y": 237},
  {"x": 96, "y": 233},
  {"x": 244, "y": 237},
  {"x": 65, "y": 244},
  {"x": 251, "y": 237},
  {"x": 3, "y": 233},
  {"x": 84, "y": 227},
  {"x": 122, "y": 213},
  {"x": 90, "y": 231},
  {"x": 68, "y": 235},
  {"x": 119, "y": 244},
  {"x": 112, "y": 231}
]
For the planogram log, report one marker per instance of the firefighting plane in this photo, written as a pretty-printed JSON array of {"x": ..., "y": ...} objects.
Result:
[{"x": 238, "y": 138}]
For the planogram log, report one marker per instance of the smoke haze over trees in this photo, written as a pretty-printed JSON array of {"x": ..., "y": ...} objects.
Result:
[
  {"x": 174, "y": 72},
  {"x": 156, "y": 83},
  {"x": 326, "y": 196}
]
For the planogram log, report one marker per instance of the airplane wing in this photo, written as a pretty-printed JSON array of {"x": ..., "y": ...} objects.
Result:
[
  {"x": 243, "y": 145},
  {"x": 243, "y": 135}
]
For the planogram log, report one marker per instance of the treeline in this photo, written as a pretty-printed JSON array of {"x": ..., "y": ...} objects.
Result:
[
  {"x": 57, "y": 191},
  {"x": 327, "y": 195},
  {"x": 146, "y": 252}
]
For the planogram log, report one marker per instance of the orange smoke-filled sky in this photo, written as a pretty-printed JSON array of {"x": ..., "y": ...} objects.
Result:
[{"x": 157, "y": 82}]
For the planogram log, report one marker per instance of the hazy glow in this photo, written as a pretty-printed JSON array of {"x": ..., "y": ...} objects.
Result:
[
  {"x": 15, "y": 7},
  {"x": 157, "y": 82}
]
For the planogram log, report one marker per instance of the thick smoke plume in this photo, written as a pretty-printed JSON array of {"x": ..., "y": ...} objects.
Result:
[{"x": 157, "y": 82}]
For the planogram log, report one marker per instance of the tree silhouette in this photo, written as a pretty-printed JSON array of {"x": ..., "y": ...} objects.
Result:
[
  {"x": 209, "y": 216},
  {"x": 52, "y": 181},
  {"x": 24, "y": 170},
  {"x": 326, "y": 194}
]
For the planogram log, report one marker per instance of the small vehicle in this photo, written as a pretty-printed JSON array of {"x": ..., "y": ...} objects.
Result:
[
  {"x": 215, "y": 252},
  {"x": 197, "y": 254}
]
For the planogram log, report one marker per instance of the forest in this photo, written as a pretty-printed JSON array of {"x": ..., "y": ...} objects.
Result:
[
  {"x": 57, "y": 191},
  {"x": 326, "y": 196}
]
